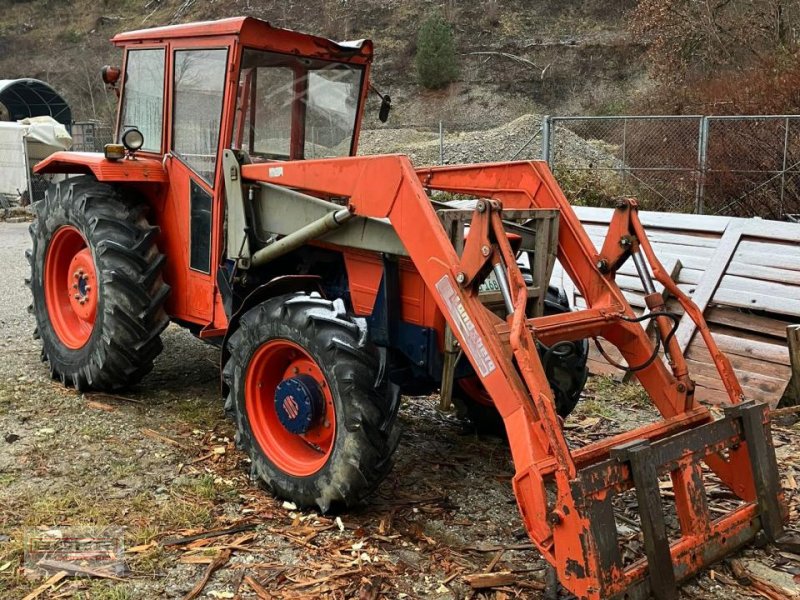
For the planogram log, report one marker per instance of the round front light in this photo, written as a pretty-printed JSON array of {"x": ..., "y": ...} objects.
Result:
[{"x": 133, "y": 139}]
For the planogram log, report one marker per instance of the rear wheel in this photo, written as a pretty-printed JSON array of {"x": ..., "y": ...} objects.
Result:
[
  {"x": 302, "y": 388},
  {"x": 96, "y": 282},
  {"x": 565, "y": 367}
]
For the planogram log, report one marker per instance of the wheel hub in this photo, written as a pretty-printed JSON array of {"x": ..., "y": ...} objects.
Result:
[
  {"x": 299, "y": 403},
  {"x": 82, "y": 286}
]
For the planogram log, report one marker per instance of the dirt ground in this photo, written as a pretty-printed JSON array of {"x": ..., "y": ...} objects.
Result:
[{"x": 160, "y": 463}]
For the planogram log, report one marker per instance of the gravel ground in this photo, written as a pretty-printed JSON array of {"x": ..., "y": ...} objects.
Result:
[
  {"x": 159, "y": 462},
  {"x": 519, "y": 139}
]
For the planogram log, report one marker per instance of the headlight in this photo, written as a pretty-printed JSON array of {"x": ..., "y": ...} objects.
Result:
[{"x": 133, "y": 139}]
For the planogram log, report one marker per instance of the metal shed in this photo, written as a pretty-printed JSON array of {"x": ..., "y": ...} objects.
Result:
[{"x": 21, "y": 98}]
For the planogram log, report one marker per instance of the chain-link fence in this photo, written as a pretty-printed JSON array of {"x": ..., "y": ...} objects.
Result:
[
  {"x": 739, "y": 165},
  {"x": 90, "y": 136}
]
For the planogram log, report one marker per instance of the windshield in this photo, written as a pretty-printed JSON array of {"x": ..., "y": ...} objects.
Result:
[{"x": 291, "y": 107}]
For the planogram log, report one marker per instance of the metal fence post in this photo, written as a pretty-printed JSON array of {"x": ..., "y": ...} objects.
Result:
[
  {"x": 624, "y": 155},
  {"x": 546, "y": 139},
  {"x": 441, "y": 143},
  {"x": 783, "y": 167},
  {"x": 702, "y": 163}
]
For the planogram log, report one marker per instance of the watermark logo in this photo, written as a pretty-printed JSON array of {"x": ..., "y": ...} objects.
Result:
[{"x": 79, "y": 550}]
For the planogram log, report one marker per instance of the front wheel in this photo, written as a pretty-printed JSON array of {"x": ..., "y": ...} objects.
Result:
[{"x": 319, "y": 429}]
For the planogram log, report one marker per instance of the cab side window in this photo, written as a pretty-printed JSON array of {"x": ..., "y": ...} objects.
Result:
[
  {"x": 143, "y": 96},
  {"x": 199, "y": 82}
]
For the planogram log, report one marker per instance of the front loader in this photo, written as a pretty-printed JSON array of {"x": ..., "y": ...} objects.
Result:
[{"x": 234, "y": 205}]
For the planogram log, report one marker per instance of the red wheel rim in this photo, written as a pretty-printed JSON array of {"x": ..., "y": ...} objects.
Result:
[
  {"x": 299, "y": 455},
  {"x": 70, "y": 287},
  {"x": 473, "y": 388}
]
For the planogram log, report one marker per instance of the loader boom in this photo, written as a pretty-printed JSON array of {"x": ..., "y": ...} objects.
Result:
[{"x": 575, "y": 529}]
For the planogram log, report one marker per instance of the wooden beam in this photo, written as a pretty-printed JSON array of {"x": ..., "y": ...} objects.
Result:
[
  {"x": 704, "y": 292},
  {"x": 792, "y": 394}
]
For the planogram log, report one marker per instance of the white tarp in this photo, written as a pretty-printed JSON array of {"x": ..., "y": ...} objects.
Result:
[
  {"x": 44, "y": 136},
  {"x": 13, "y": 167},
  {"x": 24, "y": 143}
]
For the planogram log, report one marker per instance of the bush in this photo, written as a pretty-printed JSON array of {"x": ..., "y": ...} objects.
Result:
[{"x": 437, "y": 64}]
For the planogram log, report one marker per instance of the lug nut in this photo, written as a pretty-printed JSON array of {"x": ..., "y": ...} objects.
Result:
[
  {"x": 88, "y": 288},
  {"x": 77, "y": 296}
]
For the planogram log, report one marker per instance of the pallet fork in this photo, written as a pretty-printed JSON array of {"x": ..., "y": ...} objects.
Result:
[{"x": 565, "y": 496}]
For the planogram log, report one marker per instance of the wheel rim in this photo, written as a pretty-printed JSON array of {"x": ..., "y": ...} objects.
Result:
[
  {"x": 70, "y": 287},
  {"x": 297, "y": 454}
]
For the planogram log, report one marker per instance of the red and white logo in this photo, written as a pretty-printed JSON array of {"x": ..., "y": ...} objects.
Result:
[{"x": 290, "y": 407}]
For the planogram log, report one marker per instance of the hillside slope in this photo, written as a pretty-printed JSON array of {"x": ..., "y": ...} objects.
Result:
[{"x": 580, "y": 57}]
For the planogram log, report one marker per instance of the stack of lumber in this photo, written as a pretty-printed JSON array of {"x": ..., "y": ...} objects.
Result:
[{"x": 743, "y": 273}]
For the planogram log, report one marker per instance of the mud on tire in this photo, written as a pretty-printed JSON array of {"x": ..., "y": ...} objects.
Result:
[
  {"x": 366, "y": 429},
  {"x": 129, "y": 317}
]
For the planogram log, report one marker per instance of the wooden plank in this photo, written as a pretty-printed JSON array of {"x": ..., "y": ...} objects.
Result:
[
  {"x": 785, "y": 306},
  {"x": 755, "y": 253},
  {"x": 708, "y": 223},
  {"x": 740, "y": 319},
  {"x": 663, "y": 236},
  {"x": 739, "y": 270},
  {"x": 741, "y": 364},
  {"x": 708, "y": 390},
  {"x": 753, "y": 349},
  {"x": 705, "y": 290},
  {"x": 753, "y": 384},
  {"x": 793, "y": 340}
]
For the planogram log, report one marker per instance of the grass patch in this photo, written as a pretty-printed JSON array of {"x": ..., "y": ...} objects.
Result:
[
  {"x": 606, "y": 397},
  {"x": 106, "y": 590}
]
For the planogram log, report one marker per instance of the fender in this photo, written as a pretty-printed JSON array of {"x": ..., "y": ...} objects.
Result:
[
  {"x": 134, "y": 170},
  {"x": 274, "y": 287}
]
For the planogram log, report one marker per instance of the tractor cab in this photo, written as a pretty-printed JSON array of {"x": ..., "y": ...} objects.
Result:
[
  {"x": 274, "y": 94},
  {"x": 190, "y": 93}
]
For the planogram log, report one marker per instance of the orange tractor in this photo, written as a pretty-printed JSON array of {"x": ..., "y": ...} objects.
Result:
[{"x": 235, "y": 205}]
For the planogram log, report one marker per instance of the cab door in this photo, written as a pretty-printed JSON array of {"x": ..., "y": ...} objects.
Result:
[{"x": 198, "y": 78}]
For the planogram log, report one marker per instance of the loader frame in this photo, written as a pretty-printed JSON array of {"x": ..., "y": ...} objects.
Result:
[{"x": 565, "y": 496}]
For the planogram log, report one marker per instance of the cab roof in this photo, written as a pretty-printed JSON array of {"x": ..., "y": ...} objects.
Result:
[{"x": 252, "y": 32}]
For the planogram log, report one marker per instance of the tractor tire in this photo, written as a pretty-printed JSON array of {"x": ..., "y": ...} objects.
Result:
[
  {"x": 96, "y": 282},
  {"x": 303, "y": 389},
  {"x": 567, "y": 375}
]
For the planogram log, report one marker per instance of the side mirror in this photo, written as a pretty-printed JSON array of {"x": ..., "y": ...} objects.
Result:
[
  {"x": 110, "y": 77},
  {"x": 386, "y": 106}
]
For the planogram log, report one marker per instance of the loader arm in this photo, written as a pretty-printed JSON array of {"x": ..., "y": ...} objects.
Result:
[{"x": 565, "y": 496}]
